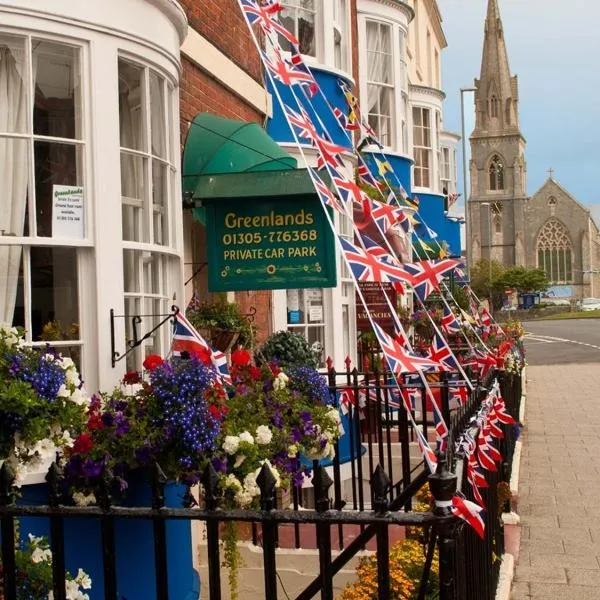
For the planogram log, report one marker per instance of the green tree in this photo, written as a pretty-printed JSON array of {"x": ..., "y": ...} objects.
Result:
[
  {"x": 481, "y": 283},
  {"x": 523, "y": 279}
]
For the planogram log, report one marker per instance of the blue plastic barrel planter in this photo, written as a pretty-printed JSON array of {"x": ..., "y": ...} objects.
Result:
[{"x": 134, "y": 543}]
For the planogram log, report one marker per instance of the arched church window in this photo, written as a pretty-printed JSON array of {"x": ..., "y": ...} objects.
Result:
[
  {"x": 554, "y": 252},
  {"x": 496, "y": 173},
  {"x": 494, "y": 104}
]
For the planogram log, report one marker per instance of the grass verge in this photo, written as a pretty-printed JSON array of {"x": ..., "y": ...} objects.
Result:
[{"x": 588, "y": 314}]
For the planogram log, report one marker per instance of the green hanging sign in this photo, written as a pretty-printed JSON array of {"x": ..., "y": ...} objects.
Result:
[{"x": 266, "y": 244}]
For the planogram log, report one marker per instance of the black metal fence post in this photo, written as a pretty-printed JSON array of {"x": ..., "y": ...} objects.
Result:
[
  {"x": 57, "y": 534},
  {"x": 160, "y": 534},
  {"x": 443, "y": 487},
  {"x": 210, "y": 481},
  {"x": 7, "y": 530},
  {"x": 321, "y": 483},
  {"x": 381, "y": 488},
  {"x": 266, "y": 482}
]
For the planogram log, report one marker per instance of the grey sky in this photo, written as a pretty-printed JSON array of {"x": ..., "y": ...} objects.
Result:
[{"x": 553, "y": 47}]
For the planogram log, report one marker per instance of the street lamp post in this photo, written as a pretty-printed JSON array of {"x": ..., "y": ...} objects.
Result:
[
  {"x": 489, "y": 208},
  {"x": 465, "y": 183}
]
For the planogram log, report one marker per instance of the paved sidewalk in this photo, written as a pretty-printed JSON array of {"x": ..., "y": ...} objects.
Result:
[{"x": 559, "y": 487}]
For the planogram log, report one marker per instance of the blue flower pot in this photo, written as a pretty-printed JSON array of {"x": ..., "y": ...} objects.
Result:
[{"x": 134, "y": 543}]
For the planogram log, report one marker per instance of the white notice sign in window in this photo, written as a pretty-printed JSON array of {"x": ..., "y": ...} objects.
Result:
[{"x": 67, "y": 212}]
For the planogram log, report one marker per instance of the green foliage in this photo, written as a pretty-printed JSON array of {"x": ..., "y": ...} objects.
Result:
[
  {"x": 41, "y": 401},
  {"x": 288, "y": 349},
  {"x": 522, "y": 279},
  {"x": 225, "y": 316}
]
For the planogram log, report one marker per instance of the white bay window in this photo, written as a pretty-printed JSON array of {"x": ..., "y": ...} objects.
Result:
[
  {"x": 148, "y": 169},
  {"x": 380, "y": 80},
  {"x": 422, "y": 146},
  {"x": 44, "y": 207}
]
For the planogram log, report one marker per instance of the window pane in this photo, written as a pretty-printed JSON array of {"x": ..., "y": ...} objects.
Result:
[
  {"x": 54, "y": 294},
  {"x": 12, "y": 301},
  {"x": 131, "y": 271},
  {"x": 55, "y": 164},
  {"x": 160, "y": 197},
  {"x": 157, "y": 116},
  {"x": 14, "y": 108},
  {"x": 133, "y": 197},
  {"x": 131, "y": 101},
  {"x": 13, "y": 186},
  {"x": 57, "y": 108}
]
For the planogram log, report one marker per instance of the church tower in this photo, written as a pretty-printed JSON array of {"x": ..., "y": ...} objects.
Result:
[{"x": 498, "y": 190}]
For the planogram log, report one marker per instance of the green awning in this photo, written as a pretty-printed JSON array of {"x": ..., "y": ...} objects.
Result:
[{"x": 224, "y": 158}]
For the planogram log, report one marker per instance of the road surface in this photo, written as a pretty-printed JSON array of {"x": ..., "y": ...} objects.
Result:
[{"x": 562, "y": 342}]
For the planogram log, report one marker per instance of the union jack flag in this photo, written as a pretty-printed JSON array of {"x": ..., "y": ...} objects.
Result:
[
  {"x": 441, "y": 430},
  {"x": 350, "y": 191},
  {"x": 428, "y": 454},
  {"x": 485, "y": 453},
  {"x": 328, "y": 150},
  {"x": 264, "y": 14},
  {"x": 459, "y": 395},
  {"x": 365, "y": 175},
  {"x": 297, "y": 60},
  {"x": 486, "y": 319},
  {"x": 427, "y": 275},
  {"x": 373, "y": 263},
  {"x": 471, "y": 513},
  {"x": 386, "y": 216},
  {"x": 450, "y": 323},
  {"x": 411, "y": 398},
  {"x": 187, "y": 339},
  {"x": 440, "y": 352},
  {"x": 284, "y": 71},
  {"x": 500, "y": 411},
  {"x": 327, "y": 196},
  {"x": 398, "y": 359}
]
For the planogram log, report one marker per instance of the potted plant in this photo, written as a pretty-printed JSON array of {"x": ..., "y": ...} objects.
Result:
[
  {"x": 222, "y": 324},
  {"x": 288, "y": 348},
  {"x": 42, "y": 404},
  {"x": 33, "y": 559},
  {"x": 272, "y": 417}
]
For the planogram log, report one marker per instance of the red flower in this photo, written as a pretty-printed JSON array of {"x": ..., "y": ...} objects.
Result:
[
  {"x": 83, "y": 443},
  {"x": 152, "y": 361},
  {"x": 132, "y": 377},
  {"x": 241, "y": 358},
  {"x": 274, "y": 369},
  {"x": 95, "y": 422},
  {"x": 205, "y": 355},
  {"x": 255, "y": 373}
]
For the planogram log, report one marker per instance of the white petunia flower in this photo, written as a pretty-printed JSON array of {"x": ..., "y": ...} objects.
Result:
[
  {"x": 238, "y": 461},
  {"x": 264, "y": 435},
  {"x": 82, "y": 499},
  {"x": 231, "y": 444},
  {"x": 39, "y": 555},
  {"x": 232, "y": 482},
  {"x": 280, "y": 381},
  {"x": 79, "y": 396},
  {"x": 246, "y": 436},
  {"x": 63, "y": 392},
  {"x": 250, "y": 485},
  {"x": 243, "y": 498}
]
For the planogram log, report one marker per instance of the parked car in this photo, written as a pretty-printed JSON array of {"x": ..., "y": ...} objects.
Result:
[{"x": 590, "y": 304}]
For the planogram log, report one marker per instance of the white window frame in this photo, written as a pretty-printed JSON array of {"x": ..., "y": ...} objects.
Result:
[
  {"x": 293, "y": 7},
  {"x": 152, "y": 264},
  {"x": 27, "y": 243},
  {"x": 422, "y": 169},
  {"x": 390, "y": 88}
]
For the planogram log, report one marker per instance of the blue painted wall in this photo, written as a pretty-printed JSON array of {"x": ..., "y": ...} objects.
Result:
[
  {"x": 332, "y": 96},
  {"x": 431, "y": 213},
  {"x": 401, "y": 165}
]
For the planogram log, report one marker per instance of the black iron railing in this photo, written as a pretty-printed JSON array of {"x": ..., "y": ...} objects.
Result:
[{"x": 384, "y": 481}]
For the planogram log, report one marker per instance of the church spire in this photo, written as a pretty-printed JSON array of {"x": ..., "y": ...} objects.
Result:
[{"x": 497, "y": 91}]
